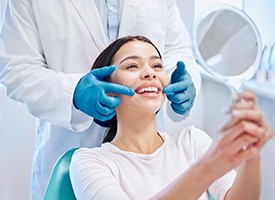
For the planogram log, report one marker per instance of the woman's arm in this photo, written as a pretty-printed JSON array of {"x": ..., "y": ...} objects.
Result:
[
  {"x": 247, "y": 184},
  {"x": 237, "y": 144}
]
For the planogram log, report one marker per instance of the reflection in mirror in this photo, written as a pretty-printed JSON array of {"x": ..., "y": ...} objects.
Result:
[{"x": 227, "y": 44}]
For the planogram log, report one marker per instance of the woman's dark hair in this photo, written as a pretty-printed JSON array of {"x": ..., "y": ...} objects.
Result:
[{"x": 106, "y": 59}]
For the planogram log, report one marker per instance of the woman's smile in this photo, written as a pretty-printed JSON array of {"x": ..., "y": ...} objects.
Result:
[{"x": 148, "y": 90}]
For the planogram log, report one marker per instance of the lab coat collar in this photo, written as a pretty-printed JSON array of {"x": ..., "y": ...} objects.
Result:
[{"x": 90, "y": 16}]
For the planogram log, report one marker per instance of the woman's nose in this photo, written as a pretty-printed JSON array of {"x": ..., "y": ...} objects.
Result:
[{"x": 148, "y": 73}]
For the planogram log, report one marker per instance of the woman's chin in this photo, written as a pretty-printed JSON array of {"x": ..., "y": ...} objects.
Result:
[{"x": 152, "y": 107}]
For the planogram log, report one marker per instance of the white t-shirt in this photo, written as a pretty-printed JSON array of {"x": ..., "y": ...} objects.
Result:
[{"x": 107, "y": 172}]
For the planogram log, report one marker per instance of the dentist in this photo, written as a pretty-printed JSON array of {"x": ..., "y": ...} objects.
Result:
[{"x": 47, "y": 49}]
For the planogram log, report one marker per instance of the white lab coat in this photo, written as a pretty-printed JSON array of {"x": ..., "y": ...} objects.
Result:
[{"x": 47, "y": 46}]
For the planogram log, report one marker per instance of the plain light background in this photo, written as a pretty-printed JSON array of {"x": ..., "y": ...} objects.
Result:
[{"x": 17, "y": 127}]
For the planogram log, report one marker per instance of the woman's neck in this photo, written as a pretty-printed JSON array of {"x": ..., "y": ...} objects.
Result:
[{"x": 137, "y": 133}]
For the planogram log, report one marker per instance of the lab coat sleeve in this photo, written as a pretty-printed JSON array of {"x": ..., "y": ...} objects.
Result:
[
  {"x": 45, "y": 93},
  {"x": 178, "y": 47}
]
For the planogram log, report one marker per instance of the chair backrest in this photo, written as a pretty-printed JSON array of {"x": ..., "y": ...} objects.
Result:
[
  {"x": 210, "y": 196},
  {"x": 59, "y": 186}
]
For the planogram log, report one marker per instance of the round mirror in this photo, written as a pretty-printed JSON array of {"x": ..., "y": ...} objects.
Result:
[{"x": 227, "y": 44}]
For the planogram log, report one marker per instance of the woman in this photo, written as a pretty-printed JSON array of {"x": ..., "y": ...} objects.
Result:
[{"x": 139, "y": 162}]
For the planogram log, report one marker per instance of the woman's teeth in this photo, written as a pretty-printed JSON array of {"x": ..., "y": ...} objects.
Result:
[{"x": 148, "y": 89}]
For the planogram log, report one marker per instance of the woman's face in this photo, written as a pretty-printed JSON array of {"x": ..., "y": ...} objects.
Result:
[{"x": 139, "y": 66}]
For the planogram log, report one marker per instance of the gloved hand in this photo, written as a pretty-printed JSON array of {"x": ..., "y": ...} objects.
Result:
[
  {"x": 181, "y": 92},
  {"x": 90, "y": 94}
]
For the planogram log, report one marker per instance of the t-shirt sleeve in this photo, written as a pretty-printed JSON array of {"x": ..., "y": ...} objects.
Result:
[
  {"x": 199, "y": 142},
  {"x": 221, "y": 186},
  {"x": 92, "y": 179}
]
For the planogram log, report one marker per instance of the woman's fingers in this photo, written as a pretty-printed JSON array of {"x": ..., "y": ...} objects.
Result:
[
  {"x": 243, "y": 137},
  {"x": 245, "y": 95},
  {"x": 243, "y": 105},
  {"x": 243, "y": 100},
  {"x": 243, "y": 134},
  {"x": 249, "y": 115},
  {"x": 240, "y": 128},
  {"x": 229, "y": 152},
  {"x": 245, "y": 108}
]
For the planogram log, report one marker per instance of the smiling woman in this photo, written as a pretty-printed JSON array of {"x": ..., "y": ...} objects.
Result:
[
  {"x": 138, "y": 59},
  {"x": 136, "y": 161},
  {"x": 139, "y": 66}
]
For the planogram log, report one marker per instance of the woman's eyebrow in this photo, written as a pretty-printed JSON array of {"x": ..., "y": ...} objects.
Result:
[
  {"x": 130, "y": 58},
  {"x": 138, "y": 58}
]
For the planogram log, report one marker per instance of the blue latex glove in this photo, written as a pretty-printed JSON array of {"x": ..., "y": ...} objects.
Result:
[
  {"x": 181, "y": 92},
  {"x": 90, "y": 94}
]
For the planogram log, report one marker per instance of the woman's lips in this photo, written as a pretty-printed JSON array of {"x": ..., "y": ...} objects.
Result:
[{"x": 148, "y": 89}]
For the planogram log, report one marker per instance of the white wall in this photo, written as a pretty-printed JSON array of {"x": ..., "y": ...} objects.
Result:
[
  {"x": 17, "y": 134},
  {"x": 262, "y": 12},
  {"x": 2, "y": 7}
]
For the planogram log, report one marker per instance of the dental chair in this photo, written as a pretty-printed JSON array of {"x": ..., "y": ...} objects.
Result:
[{"x": 59, "y": 186}]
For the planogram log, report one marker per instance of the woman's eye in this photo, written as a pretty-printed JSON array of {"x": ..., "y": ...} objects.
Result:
[
  {"x": 160, "y": 66},
  {"x": 131, "y": 66}
]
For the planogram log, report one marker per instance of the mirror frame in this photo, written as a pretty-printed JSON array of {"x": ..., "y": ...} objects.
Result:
[{"x": 246, "y": 74}]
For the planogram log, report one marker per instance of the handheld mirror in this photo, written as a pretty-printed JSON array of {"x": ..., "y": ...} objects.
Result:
[{"x": 227, "y": 45}]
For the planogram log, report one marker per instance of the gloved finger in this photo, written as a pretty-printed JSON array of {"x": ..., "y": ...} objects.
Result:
[
  {"x": 110, "y": 102},
  {"x": 181, "y": 68},
  {"x": 178, "y": 98},
  {"x": 103, "y": 116},
  {"x": 99, "y": 112},
  {"x": 179, "y": 73},
  {"x": 118, "y": 89},
  {"x": 176, "y": 87},
  {"x": 104, "y": 110},
  {"x": 101, "y": 73},
  {"x": 105, "y": 105},
  {"x": 182, "y": 108}
]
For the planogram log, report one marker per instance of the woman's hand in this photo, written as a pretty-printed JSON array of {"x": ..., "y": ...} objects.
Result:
[
  {"x": 242, "y": 138},
  {"x": 246, "y": 109}
]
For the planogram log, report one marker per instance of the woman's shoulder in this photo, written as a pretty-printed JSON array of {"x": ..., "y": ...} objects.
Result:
[
  {"x": 97, "y": 153},
  {"x": 191, "y": 141},
  {"x": 190, "y": 132}
]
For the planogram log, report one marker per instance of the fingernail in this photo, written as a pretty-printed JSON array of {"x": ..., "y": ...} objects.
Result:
[
  {"x": 226, "y": 110},
  {"x": 236, "y": 113},
  {"x": 234, "y": 97}
]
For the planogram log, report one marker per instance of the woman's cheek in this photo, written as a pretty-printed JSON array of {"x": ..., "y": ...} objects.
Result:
[
  {"x": 127, "y": 79},
  {"x": 166, "y": 80}
]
